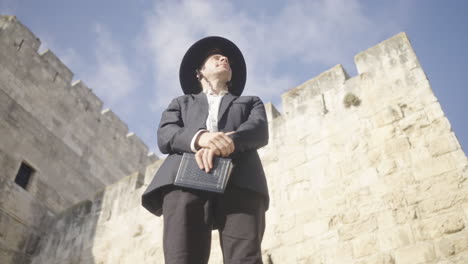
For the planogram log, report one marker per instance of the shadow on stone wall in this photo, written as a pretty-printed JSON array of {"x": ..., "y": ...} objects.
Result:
[{"x": 69, "y": 238}]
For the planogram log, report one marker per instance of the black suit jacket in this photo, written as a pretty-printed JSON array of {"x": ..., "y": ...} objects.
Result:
[{"x": 186, "y": 115}]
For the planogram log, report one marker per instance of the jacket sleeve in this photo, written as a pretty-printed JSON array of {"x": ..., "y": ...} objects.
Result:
[
  {"x": 173, "y": 136},
  {"x": 253, "y": 133}
]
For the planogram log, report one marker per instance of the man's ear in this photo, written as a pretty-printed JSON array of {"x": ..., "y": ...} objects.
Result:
[{"x": 199, "y": 74}]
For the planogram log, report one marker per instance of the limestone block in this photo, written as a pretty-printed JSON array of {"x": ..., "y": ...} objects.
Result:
[
  {"x": 387, "y": 116},
  {"x": 293, "y": 236},
  {"x": 395, "y": 200},
  {"x": 330, "y": 192},
  {"x": 349, "y": 166},
  {"x": 315, "y": 171},
  {"x": 434, "y": 166},
  {"x": 381, "y": 134},
  {"x": 418, "y": 153},
  {"x": 387, "y": 166},
  {"x": 385, "y": 219},
  {"x": 316, "y": 149},
  {"x": 316, "y": 227},
  {"x": 422, "y": 91},
  {"x": 368, "y": 177},
  {"x": 453, "y": 244},
  {"x": 438, "y": 126},
  {"x": 405, "y": 214},
  {"x": 379, "y": 258},
  {"x": 465, "y": 208},
  {"x": 417, "y": 75},
  {"x": 338, "y": 253},
  {"x": 346, "y": 216},
  {"x": 365, "y": 245},
  {"x": 296, "y": 190},
  {"x": 58, "y": 65},
  {"x": 300, "y": 102},
  {"x": 372, "y": 159},
  {"x": 331, "y": 79},
  {"x": 328, "y": 208},
  {"x": 86, "y": 97},
  {"x": 293, "y": 155},
  {"x": 18, "y": 203},
  {"x": 395, "y": 146},
  {"x": 438, "y": 186},
  {"x": 389, "y": 56},
  {"x": 434, "y": 111},
  {"x": 114, "y": 122},
  {"x": 460, "y": 159},
  {"x": 460, "y": 258},
  {"x": 439, "y": 145},
  {"x": 395, "y": 237},
  {"x": 414, "y": 254},
  {"x": 350, "y": 231},
  {"x": 411, "y": 123},
  {"x": 438, "y": 226},
  {"x": 441, "y": 202}
]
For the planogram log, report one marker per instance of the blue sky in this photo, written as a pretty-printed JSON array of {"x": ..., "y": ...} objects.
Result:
[{"x": 129, "y": 52}]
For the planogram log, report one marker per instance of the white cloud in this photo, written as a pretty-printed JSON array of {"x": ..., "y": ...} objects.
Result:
[
  {"x": 112, "y": 78},
  {"x": 300, "y": 34},
  {"x": 109, "y": 74}
]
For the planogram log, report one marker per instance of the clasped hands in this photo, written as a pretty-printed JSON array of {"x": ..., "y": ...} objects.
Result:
[{"x": 212, "y": 144}]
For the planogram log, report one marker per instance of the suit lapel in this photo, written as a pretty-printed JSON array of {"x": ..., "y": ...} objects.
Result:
[
  {"x": 225, "y": 103},
  {"x": 201, "y": 109}
]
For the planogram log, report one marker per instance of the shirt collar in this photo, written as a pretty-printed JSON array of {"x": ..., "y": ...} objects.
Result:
[{"x": 210, "y": 92}]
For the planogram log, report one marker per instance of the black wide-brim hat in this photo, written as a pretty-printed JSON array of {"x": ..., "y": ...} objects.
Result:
[{"x": 197, "y": 54}]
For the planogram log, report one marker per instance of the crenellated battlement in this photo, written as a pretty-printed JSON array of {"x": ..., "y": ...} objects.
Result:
[
  {"x": 71, "y": 106},
  {"x": 90, "y": 101},
  {"x": 60, "y": 68},
  {"x": 391, "y": 58},
  {"x": 17, "y": 34}
]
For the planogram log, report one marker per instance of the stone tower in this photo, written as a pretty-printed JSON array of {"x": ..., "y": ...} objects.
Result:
[
  {"x": 361, "y": 169},
  {"x": 57, "y": 146}
]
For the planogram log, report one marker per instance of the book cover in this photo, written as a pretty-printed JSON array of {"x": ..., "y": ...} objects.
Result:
[{"x": 191, "y": 176}]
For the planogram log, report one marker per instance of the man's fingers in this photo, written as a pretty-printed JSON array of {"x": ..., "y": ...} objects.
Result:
[
  {"x": 199, "y": 159},
  {"x": 205, "y": 160},
  {"x": 210, "y": 159},
  {"x": 230, "y": 133},
  {"x": 225, "y": 144},
  {"x": 218, "y": 146}
]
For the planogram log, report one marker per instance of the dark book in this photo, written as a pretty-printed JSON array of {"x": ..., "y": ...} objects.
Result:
[{"x": 191, "y": 176}]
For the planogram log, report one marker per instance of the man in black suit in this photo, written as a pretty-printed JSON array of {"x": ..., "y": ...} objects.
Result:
[{"x": 212, "y": 119}]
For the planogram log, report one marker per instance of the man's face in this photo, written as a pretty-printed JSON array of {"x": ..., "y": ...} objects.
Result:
[{"x": 217, "y": 66}]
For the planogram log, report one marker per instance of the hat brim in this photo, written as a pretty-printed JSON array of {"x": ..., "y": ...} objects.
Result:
[{"x": 196, "y": 55}]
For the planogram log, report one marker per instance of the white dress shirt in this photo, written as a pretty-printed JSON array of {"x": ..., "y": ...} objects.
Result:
[{"x": 214, "y": 101}]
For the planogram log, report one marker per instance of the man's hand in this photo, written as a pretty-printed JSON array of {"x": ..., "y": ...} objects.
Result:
[
  {"x": 219, "y": 142},
  {"x": 204, "y": 158}
]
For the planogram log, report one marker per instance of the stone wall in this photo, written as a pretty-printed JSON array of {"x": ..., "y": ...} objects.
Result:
[
  {"x": 361, "y": 170},
  {"x": 59, "y": 129},
  {"x": 366, "y": 169}
]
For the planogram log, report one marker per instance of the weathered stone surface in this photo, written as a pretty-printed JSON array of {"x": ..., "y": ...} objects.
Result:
[
  {"x": 452, "y": 245},
  {"x": 365, "y": 245},
  {"x": 415, "y": 254},
  {"x": 395, "y": 237},
  {"x": 438, "y": 226}
]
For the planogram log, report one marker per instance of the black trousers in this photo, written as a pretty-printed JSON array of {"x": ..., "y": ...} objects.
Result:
[{"x": 190, "y": 216}]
